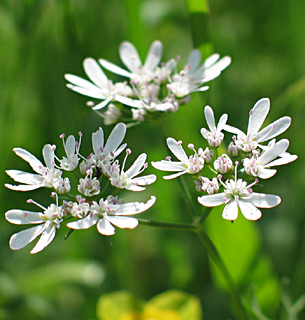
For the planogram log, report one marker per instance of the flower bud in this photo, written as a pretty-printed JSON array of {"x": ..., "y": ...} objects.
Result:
[{"x": 223, "y": 164}]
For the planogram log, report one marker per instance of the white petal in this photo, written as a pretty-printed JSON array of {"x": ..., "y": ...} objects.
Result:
[
  {"x": 209, "y": 117},
  {"x": 130, "y": 57},
  {"x": 116, "y": 137},
  {"x": 48, "y": 155},
  {"x": 249, "y": 210},
  {"x": 210, "y": 60},
  {"x": 283, "y": 160},
  {"x": 84, "y": 223},
  {"x": 165, "y": 165},
  {"x": 98, "y": 140},
  {"x": 230, "y": 211},
  {"x": 134, "y": 187},
  {"x": 102, "y": 104},
  {"x": 193, "y": 60},
  {"x": 274, "y": 151},
  {"x": 80, "y": 83},
  {"x": 262, "y": 200},
  {"x": 45, "y": 239},
  {"x": 24, "y": 187},
  {"x": 145, "y": 180},
  {"x": 120, "y": 149},
  {"x": 215, "y": 70},
  {"x": 154, "y": 56},
  {"x": 70, "y": 146},
  {"x": 21, "y": 239},
  {"x": 28, "y": 157},
  {"x": 114, "y": 68},
  {"x": 177, "y": 149},
  {"x": 258, "y": 115},
  {"x": 124, "y": 222},
  {"x": 175, "y": 175},
  {"x": 104, "y": 227},
  {"x": 274, "y": 129},
  {"x": 25, "y": 177},
  {"x": 222, "y": 121},
  {"x": 95, "y": 73},
  {"x": 136, "y": 166},
  {"x": 231, "y": 129},
  {"x": 95, "y": 92},
  {"x": 17, "y": 216},
  {"x": 264, "y": 173},
  {"x": 212, "y": 200},
  {"x": 129, "y": 102},
  {"x": 132, "y": 208}
]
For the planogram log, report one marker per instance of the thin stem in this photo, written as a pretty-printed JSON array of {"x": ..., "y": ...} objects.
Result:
[
  {"x": 188, "y": 198},
  {"x": 215, "y": 256},
  {"x": 167, "y": 225}
]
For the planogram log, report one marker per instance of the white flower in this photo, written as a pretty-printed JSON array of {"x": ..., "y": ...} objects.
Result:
[
  {"x": 223, "y": 164},
  {"x": 207, "y": 185},
  {"x": 193, "y": 76},
  {"x": 48, "y": 222},
  {"x": 238, "y": 194},
  {"x": 110, "y": 212},
  {"x": 137, "y": 72},
  {"x": 126, "y": 180},
  {"x": 214, "y": 136},
  {"x": 70, "y": 162},
  {"x": 250, "y": 141},
  {"x": 260, "y": 166},
  {"x": 89, "y": 186},
  {"x": 47, "y": 176},
  {"x": 192, "y": 164},
  {"x": 101, "y": 88}
]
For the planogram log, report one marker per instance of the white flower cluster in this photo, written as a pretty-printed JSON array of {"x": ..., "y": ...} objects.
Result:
[
  {"x": 228, "y": 178},
  {"x": 153, "y": 87},
  {"x": 90, "y": 206}
]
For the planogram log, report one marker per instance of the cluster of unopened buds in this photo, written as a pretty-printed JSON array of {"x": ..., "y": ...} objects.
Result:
[
  {"x": 229, "y": 178},
  {"x": 93, "y": 204},
  {"x": 154, "y": 88}
]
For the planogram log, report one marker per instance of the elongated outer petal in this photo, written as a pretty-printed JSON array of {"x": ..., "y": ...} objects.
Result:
[
  {"x": 124, "y": 222},
  {"x": 274, "y": 129},
  {"x": 193, "y": 60},
  {"x": 84, "y": 223},
  {"x": 283, "y": 160},
  {"x": 116, "y": 137},
  {"x": 177, "y": 149},
  {"x": 154, "y": 56},
  {"x": 212, "y": 200},
  {"x": 249, "y": 210},
  {"x": 95, "y": 73},
  {"x": 25, "y": 177},
  {"x": 70, "y": 146},
  {"x": 97, "y": 140},
  {"x": 231, "y": 129},
  {"x": 265, "y": 173},
  {"x": 209, "y": 117},
  {"x": 258, "y": 115},
  {"x": 274, "y": 151},
  {"x": 94, "y": 92},
  {"x": 132, "y": 208},
  {"x": 45, "y": 239},
  {"x": 175, "y": 175},
  {"x": 17, "y": 216},
  {"x": 21, "y": 239},
  {"x": 129, "y": 102},
  {"x": 134, "y": 187},
  {"x": 230, "y": 211},
  {"x": 165, "y": 165},
  {"x": 222, "y": 121},
  {"x": 105, "y": 228},
  {"x": 80, "y": 83},
  {"x": 210, "y": 60},
  {"x": 102, "y": 104},
  {"x": 114, "y": 68},
  {"x": 28, "y": 157},
  {"x": 215, "y": 70},
  {"x": 24, "y": 187},
  {"x": 130, "y": 57},
  {"x": 136, "y": 166},
  {"x": 262, "y": 200},
  {"x": 145, "y": 180},
  {"x": 48, "y": 155}
]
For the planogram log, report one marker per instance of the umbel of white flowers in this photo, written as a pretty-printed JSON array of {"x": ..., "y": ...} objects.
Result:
[
  {"x": 92, "y": 205},
  {"x": 233, "y": 185},
  {"x": 154, "y": 88}
]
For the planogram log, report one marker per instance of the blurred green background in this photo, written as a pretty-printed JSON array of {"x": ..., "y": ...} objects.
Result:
[{"x": 43, "y": 40}]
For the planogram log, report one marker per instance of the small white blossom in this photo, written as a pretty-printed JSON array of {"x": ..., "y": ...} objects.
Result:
[
  {"x": 250, "y": 141},
  {"x": 214, "y": 136},
  {"x": 101, "y": 88},
  {"x": 70, "y": 162},
  {"x": 223, "y": 164},
  {"x": 260, "y": 166},
  {"x": 207, "y": 185},
  {"x": 47, "y": 176},
  {"x": 238, "y": 194},
  {"x": 206, "y": 154},
  {"x": 89, "y": 186},
  {"x": 48, "y": 222},
  {"x": 109, "y": 213},
  {"x": 137, "y": 72},
  {"x": 192, "y": 164},
  {"x": 126, "y": 180}
]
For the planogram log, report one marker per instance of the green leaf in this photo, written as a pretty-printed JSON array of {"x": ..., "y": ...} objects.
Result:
[{"x": 119, "y": 305}]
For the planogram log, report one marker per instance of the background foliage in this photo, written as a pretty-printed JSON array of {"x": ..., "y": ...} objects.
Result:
[{"x": 43, "y": 40}]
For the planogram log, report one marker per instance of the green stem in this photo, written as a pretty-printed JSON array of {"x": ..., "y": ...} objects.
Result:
[
  {"x": 215, "y": 256},
  {"x": 167, "y": 225},
  {"x": 188, "y": 198}
]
